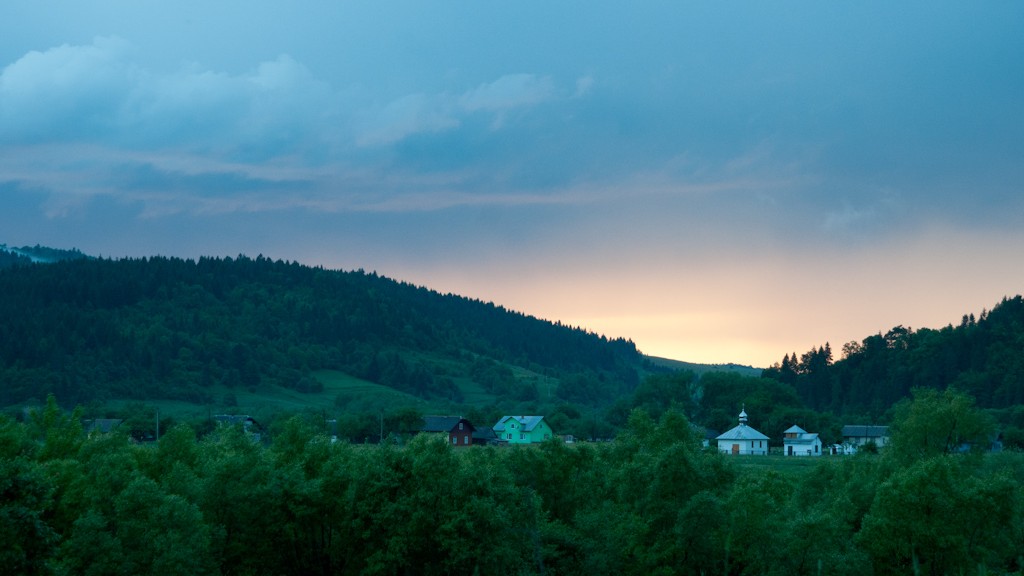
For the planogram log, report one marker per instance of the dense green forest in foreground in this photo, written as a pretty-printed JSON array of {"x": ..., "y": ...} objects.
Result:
[{"x": 650, "y": 502}]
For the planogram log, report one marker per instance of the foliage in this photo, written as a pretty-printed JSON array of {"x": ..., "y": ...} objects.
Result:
[
  {"x": 26, "y": 255},
  {"x": 980, "y": 356},
  {"x": 939, "y": 424},
  {"x": 651, "y": 502},
  {"x": 936, "y": 516},
  {"x": 166, "y": 328}
]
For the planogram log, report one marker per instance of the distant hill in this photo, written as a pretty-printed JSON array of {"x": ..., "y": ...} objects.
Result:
[
  {"x": 701, "y": 369},
  {"x": 10, "y": 256},
  {"x": 94, "y": 330}
]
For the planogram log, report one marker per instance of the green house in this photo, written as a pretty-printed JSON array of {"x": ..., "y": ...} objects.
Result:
[{"x": 522, "y": 429}]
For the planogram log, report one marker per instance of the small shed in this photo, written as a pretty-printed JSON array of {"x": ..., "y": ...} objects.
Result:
[{"x": 485, "y": 437}]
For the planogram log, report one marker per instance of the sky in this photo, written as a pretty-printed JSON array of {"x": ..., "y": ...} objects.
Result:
[{"x": 716, "y": 181}]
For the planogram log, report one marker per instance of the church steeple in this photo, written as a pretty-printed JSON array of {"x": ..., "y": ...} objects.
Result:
[{"x": 743, "y": 416}]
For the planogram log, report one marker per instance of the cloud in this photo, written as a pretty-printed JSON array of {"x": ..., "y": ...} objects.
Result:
[
  {"x": 422, "y": 113},
  {"x": 100, "y": 93},
  {"x": 509, "y": 91},
  {"x": 584, "y": 85},
  {"x": 67, "y": 89},
  {"x": 411, "y": 114}
]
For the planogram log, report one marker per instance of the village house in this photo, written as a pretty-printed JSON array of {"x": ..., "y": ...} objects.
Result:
[
  {"x": 707, "y": 435},
  {"x": 249, "y": 425},
  {"x": 857, "y": 435},
  {"x": 798, "y": 442},
  {"x": 458, "y": 429},
  {"x": 484, "y": 437},
  {"x": 100, "y": 425},
  {"x": 522, "y": 429},
  {"x": 743, "y": 439}
]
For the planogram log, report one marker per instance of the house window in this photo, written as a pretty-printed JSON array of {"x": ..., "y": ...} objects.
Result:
[
  {"x": 465, "y": 440},
  {"x": 509, "y": 435},
  {"x": 455, "y": 440},
  {"x": 522, "y": 436},
  {"x": 460, "y": 425}
]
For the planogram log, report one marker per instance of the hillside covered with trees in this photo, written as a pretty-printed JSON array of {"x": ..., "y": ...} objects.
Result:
[
  {"x": 982, "y": 356},
  {"x": 165, "y": 328},
  {"x": 10, "y": 256},
  {"x": 203, "y": 332}
]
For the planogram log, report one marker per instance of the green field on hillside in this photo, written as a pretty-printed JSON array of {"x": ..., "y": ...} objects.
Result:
[
  {"x": 341, "y": 394},
  {"x": 355, "y": 395}
]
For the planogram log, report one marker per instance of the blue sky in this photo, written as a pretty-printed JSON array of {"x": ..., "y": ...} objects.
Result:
[{"x": 717, "y": 181}]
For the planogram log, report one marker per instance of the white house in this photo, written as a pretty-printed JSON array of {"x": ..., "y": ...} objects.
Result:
[
  {"x": 798, "y": 442},
  {"x": 743, "y": 440}
]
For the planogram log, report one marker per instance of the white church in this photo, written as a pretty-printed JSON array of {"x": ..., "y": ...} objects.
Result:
[{"x": 743, "y": 439}]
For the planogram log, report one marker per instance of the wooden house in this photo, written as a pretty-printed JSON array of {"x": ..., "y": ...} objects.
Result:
[{"x": 458, "y": 429}]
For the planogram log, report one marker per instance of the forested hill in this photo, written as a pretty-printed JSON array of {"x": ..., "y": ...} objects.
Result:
[
  {"x": 29, "y": 254},
  {"x": 95, "y": 329},
  {"x": 983, "y": 356}
]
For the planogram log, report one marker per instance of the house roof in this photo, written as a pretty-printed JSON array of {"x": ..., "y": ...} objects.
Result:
[
  {"x": 244, "y": 419},
  {"x": 233, "y": 418},
  {"x": 102, "y": 425},
  {"x": 484, "y": 434},
  {"x": 797, "y": 435},
  {"x": 528, "y": 423},
  {"x": 805, "y": 438},
  {"x": 863, "y": 431},
  {"x": 443, "y": 423}
]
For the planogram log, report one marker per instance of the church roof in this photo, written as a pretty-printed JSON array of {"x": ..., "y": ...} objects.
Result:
[{"x": 742, "y": 432}]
